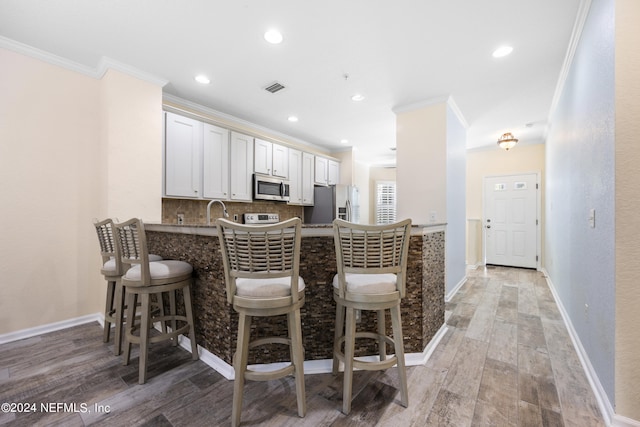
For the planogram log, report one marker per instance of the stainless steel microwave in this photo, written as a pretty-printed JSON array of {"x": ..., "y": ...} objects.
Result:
[{"x": 270, "y": 188}]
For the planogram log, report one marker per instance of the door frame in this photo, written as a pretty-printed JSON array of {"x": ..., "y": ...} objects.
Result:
[{"x": 538, "y": 215}]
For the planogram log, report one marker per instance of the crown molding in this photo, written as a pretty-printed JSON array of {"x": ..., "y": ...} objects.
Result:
[
  {"x": 105, "y": 64},
  {"x": 447, "y": 99},
  {"x": 574, "y": 41},
  {"x": 182, "y": 106}
]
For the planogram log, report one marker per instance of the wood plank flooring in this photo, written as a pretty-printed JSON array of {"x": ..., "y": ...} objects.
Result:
[{"x": 506, "y": 360}]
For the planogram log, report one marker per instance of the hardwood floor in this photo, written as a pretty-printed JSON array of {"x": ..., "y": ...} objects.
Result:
[{"x": 506, "y": 360}]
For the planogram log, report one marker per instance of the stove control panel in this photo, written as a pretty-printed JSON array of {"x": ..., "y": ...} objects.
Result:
[{"x": 261, "y": 218}]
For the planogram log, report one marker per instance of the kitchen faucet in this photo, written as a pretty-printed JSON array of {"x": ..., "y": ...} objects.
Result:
[{"x": 224, "y": 210}]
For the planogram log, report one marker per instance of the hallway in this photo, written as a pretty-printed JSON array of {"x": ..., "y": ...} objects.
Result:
[{"x": 506, "y": 360}]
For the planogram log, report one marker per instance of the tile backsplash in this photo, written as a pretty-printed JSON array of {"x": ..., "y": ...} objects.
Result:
[{"x": 195, "y": 211}]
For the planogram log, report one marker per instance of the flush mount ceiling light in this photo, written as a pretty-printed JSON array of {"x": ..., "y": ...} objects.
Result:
[
  {"x": 273, "y": 36},
  {"x": 507, "y": 141},
  {"x": 344, "y": 141},
  {"x": 202, "y": 79},
  {"x": 502, "y": 51},
  {"x": 292, "y": 119},
  {"x": 357, "y": 97}
]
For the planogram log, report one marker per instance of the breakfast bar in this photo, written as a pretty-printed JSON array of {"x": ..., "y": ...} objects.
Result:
[{"x": 216, "y": 321}]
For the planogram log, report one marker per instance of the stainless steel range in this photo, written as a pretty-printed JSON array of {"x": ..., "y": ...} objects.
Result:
[{"x": 261, "y": 218}]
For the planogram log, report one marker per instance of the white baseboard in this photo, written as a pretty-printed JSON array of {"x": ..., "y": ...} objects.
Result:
[
  {"x": 620, "y": 421},
  {"x": 51, "y": 327},
  {"x": 455, "y": 289},
  {"x": 323, "y": 366},
  {"x": 474, "y": 266},
  {"x": 601, "y": 397}
]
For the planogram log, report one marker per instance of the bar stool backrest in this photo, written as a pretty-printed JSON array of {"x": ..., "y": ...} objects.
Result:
[
  {"x": 372, "y": 249},
  {"x": 260, "y": 252},
  {"x": 108, "y": 248},
  {"x": 132, "y": 245}
]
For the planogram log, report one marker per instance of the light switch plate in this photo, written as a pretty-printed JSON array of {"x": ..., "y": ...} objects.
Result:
[{"x": 592, "y": 218}]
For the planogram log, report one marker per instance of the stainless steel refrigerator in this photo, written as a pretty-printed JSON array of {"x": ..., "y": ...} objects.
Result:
[{"x": 331, "y": 202}]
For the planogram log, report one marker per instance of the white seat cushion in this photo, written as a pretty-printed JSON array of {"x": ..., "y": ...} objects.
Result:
[
  {"x": 266, "y": 288},
  {"x": 111, "y": 264},
  {"x": 368, "y": 283},
  {"x": 161, "y": 270}
]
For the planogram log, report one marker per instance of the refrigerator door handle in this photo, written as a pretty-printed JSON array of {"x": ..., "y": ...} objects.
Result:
[{"x": 348, "y": 206}]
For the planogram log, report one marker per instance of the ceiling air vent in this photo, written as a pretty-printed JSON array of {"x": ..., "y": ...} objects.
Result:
[{"x": 274, "y": 87}]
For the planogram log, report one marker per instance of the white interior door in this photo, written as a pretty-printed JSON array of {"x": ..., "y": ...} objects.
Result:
[{"x": 510, "y": 220}]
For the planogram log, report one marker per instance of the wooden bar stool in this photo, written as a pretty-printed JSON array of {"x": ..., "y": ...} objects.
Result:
[
  {"x": 372, "y": 265},
  {"x": 261, "y": 265},
  {"x": 144, "y": 279},
  {"x": 112, "y": 271}
]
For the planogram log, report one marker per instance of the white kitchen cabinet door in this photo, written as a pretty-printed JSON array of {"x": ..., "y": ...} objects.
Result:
[
  {"x": 241, "y": 167},
  {"x": 333, "y": 172},
  {"x": 295, "y": 177},
  {"x": 280, "y": 161},
  {"x": 183, "y": 161},
  {"x": 308, "y": 161},
  {"x": 321, "y": 171},
  {"x": 263, "y": 157},
  {"x": 215, "y": 162}
]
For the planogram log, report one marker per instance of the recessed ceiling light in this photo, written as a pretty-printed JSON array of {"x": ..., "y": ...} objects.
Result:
[
  {"x": 273, "y": 36},
  {"x": 502, "y": 51},
  {"x": 357, "y": 97},
  {"x": 344, "y": 141},
  {"x": 202, "y": 79},
  {"x": 292, "y": 119}
]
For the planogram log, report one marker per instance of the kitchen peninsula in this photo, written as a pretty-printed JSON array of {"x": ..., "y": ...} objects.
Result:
[{"x": 216, "y": 321}]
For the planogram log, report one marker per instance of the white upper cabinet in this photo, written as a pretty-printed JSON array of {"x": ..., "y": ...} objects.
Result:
[
  {"x": 333, "y": 172},
  {"x": 263, "y": 160},
  {"x": 327, "y": 172},
  {"x": 241, "y": 156},
  {"x": 206, "y": 161},
  {"x": 295, "y": 177},
  {"x": 183, "y": 156},
  {"x": 321, "y": 171},
  {"x": 307, "y": 178},
  {"x": 215, "y": 162},
  {"x": 280, "y": 161},
  {"x": 301, "y": 167},
  {"x": 271, "y": 159}
]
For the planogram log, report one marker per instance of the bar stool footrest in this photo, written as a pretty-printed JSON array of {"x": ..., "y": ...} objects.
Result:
[
  {"x": 390, "y": 361},
  {"x": 269, "y": 375}
]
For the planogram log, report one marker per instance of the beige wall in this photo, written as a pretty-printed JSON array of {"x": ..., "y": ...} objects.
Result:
[
  {"x": 481, "y": 163},
  {"x": 627, "y": 220},
  {"x": 56, "y": 170},
  {"x": 132, "y": 135},
  {"x": 422, "y": 163}
]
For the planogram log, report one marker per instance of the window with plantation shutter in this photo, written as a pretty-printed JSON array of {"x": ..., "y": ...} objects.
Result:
[{"x": 385, "y": 202}]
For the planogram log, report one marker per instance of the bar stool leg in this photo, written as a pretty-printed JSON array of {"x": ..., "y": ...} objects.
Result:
[
  {"x": 188, "y": 309},
  {"x": 108, "y": 311},
  {"x": 132, "y": 300},
  {"x": 297, "y": 359},
  {"x": 339, "y": 333},
  {"x": 240, "y": 366},
  {"x": 349, "y": 352},
  {"x": 144, "y": 337},
  {"x": 119, "y": 316},
  {"x": 399, "y": 349},
  {"x": 382, "y": 332},
  {"x": 173, "y": 312}
]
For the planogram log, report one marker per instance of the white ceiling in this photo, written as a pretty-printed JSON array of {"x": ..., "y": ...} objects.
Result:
[{"x": 395, "y": 54}]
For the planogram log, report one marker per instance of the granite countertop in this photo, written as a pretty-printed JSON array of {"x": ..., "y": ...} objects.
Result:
[{"x": 308, "y": 230}]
